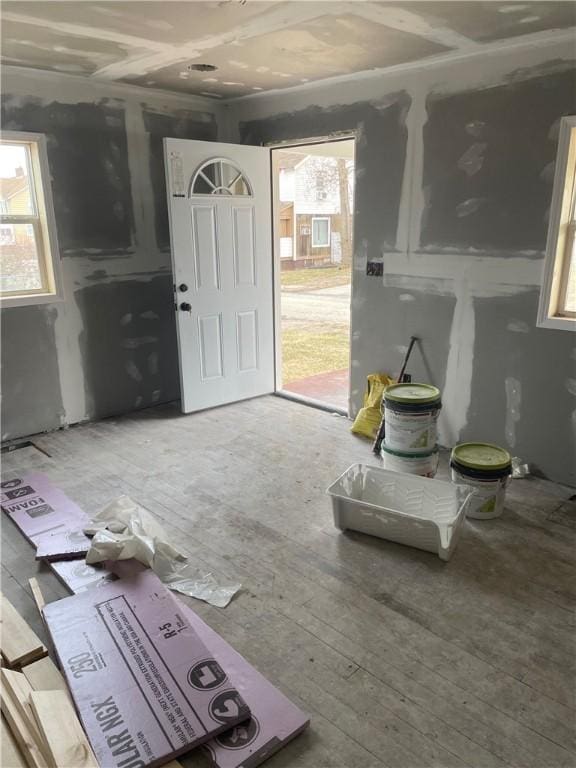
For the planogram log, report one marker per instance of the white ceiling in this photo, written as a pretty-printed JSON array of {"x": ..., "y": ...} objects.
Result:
[{"x": 256, "y": 46}]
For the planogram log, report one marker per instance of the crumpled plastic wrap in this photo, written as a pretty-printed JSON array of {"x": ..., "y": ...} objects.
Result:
[
  {"x": 124, "y": 530},
  {"x": 519, "y": 468}
]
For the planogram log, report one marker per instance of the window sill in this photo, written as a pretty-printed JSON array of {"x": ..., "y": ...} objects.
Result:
[
  {"x": 7, "y": 302},
  {"x": 558, "y": 323}
]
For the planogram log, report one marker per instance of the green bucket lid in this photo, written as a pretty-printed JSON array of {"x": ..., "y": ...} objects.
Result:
[
  {"x": 481, "y": 456},
  {"x": 412, "y": 393}
]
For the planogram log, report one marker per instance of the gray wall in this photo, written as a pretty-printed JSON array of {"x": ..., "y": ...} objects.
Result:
[
  {"x": 110, "y": 346},
  {"x": 454, "y": 172}
]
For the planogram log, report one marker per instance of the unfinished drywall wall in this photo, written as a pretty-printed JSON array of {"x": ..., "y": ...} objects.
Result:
[
  {"x": 451, "y": 249},
  {"x": 110, "y": 346}
]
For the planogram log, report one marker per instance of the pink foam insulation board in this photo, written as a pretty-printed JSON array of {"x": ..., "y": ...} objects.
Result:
[
  {"x": 275, "y": 719},
  {"x": 39, "y": 509},
  {"x": 78, "y": 576},
  {"x": 67, "y": 545},
  {"x": 42, "y": 511},
  {"x": 145, "y": 685}
]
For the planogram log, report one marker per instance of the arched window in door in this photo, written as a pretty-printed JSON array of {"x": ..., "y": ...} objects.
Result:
[{"x": 220, "y": 177}]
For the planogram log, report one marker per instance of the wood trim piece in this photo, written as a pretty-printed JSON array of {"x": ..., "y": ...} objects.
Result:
[
  {"x": 44, "y": 675},
  {"x": 67, "y": 743},
  {"x": 10, "y": 754},
  {"x": 17, "y": 715},
  {"x": 19, "y": 643}
]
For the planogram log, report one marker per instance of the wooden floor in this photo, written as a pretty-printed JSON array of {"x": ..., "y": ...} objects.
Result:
[{"x": 401, "y": 660}]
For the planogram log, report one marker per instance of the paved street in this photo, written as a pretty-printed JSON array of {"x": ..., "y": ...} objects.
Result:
[{"x": 320, "y": 306}]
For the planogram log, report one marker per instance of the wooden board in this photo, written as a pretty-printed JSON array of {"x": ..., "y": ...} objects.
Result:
[
  {"x": 10, "y": 754},
  {"x": 20, "y": 689},
  {"x": 37, "y": 594},
  {"x": 61, "y": 730},
  {"x": 24, "y": 733},
  {"x": 44, "y": 675},
  {"x": 20, "y": 645}
]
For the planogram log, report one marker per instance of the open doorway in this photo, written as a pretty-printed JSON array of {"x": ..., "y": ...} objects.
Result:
[{"x": 313, "y": 225}]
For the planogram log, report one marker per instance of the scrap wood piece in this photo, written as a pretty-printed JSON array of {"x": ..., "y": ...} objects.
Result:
[
  {"x": 20, "y": 644},
  {"x": 44, "y": 675},
  {"x": 10, "y": 754},
  {"x": 19, "y": 690},
  {"x": 15, "y": 714},
  {"x": 37, "y": 595},
  {"x": 67, "y": 743}
]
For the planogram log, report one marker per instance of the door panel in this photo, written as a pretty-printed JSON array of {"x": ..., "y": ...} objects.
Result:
[
  {"x": 247, "y": 330},
  {"x": 244, "y": 247},
  {"x": 206, "y": 255},
  {"x": 211, "y": 355},
  {"x": 222, "y": 261}
]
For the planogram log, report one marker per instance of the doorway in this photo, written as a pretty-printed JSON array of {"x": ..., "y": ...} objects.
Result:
[{"x": 313, "y": 202}]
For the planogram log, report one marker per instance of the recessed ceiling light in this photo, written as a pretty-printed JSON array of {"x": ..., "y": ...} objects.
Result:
[{"x": 201, "y": 67}]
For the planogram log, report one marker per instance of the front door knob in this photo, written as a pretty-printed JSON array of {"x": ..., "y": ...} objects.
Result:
[{"x": 185, "y": 307}]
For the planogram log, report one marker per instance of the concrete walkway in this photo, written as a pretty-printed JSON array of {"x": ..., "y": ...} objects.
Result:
[{"x": 331, "y": 388}]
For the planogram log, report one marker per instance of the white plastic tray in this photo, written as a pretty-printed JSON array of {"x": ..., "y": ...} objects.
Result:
[{"x": 408, "y": 509}]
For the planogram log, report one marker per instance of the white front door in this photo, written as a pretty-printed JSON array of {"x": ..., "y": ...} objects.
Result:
[{"x": 219, "y": 203}]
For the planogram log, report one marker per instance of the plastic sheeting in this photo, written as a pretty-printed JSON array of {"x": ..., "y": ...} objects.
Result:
[{"x": 124, "y": 530}]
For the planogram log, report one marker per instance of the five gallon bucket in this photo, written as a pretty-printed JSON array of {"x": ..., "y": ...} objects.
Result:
[
  {"x": 486, "y": 468},
  {"x": 424, "y": 464},
  {"x": 410, "y": 415}
]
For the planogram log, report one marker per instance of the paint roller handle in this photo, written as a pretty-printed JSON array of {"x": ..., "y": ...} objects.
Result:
[{"x": 413, "y": 340}]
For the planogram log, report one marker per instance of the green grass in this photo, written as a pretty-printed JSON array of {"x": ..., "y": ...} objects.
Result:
[
  {"x": 312, "y": 350},
  {"x": 312, "y": 279}
]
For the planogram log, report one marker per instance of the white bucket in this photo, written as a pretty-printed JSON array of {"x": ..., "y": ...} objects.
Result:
[
  {"x": 424, "y": 465},
  {"x": 414, "y": 433},
  {"x": 410, "y": 417},
  {"x": 488, "y": 501}
]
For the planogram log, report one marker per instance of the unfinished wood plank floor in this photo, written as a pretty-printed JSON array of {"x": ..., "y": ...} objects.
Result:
[{"x": 401, "y": 660}]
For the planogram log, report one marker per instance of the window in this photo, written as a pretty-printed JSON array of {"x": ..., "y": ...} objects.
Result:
[
  {"x": 558, "y": 295},
  {"x": 321, "y": 232},
  {"x": 220, "y": 177},
  {"x": 29, "y": 263}
]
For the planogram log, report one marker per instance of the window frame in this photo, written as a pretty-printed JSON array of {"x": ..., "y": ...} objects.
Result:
[
  {"x": 561, "y": 232},
  {"x": 43, "y": 222},
  {"x": 320, "y": 218}
]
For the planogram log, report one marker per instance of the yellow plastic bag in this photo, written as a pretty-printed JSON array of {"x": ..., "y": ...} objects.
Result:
[{"x": 368, "y": 419}]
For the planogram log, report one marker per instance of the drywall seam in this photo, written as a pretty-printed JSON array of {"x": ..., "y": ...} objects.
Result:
[
  {"x": 459, "y": 367},
  {"x": 513, "y": 402},
  {"x": 512, "y": 269},
  {"x": 83, "y": 30},
  {"x": 69, "y": 355},
  {"x": 489, "y": 66},
  {"x": 406, "y": 194},
  {"x": 416, "y": 141},
  {"x": 138, "y": 147},
  {"x": 412, "y": 23},
  {"x": 277, "y": 17},
  {"x": 74, "y": 88}
]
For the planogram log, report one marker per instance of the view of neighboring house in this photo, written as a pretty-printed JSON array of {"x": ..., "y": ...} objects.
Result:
[
  {"x": 19, "y": 260},
  {"x": 315, "y": 210}
]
